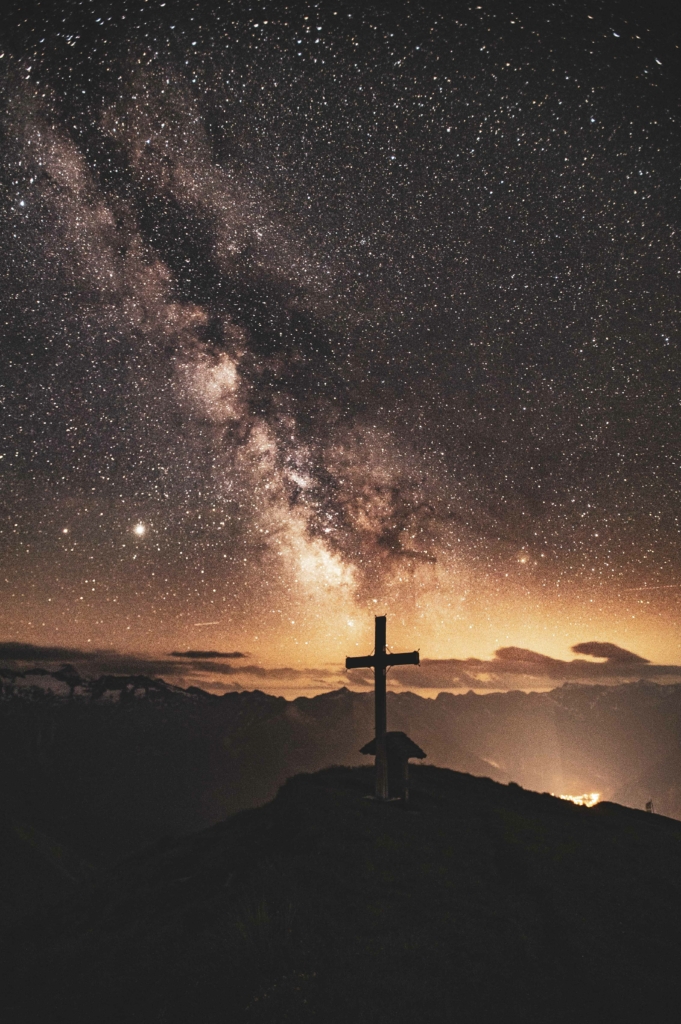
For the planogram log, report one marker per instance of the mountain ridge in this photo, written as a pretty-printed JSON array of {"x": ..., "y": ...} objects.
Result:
[{"x": 105, "y": 777}]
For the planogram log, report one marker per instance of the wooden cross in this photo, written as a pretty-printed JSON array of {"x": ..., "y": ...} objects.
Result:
[{"x": 379, "y": 661}]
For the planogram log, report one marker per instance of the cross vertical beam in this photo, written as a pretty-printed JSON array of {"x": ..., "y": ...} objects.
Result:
[
  {"x": 379, "y": 661},
  {"x": 380, "y": 709}
]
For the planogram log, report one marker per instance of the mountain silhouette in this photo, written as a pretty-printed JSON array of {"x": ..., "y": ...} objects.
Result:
[
  {"x": 127, "y": 760},
  {"x": 479, "y": 903}
]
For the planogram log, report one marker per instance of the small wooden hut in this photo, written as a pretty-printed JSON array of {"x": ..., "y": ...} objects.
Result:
[{"x": 399, "y": 748}]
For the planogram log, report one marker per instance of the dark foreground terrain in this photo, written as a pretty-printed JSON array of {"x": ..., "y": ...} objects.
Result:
[{"x": 481, "y": 902}]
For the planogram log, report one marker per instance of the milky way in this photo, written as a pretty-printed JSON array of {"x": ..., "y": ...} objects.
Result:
[{"x": 310, "y": 311}]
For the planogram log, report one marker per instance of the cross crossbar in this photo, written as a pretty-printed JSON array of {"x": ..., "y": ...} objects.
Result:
[{"x": 369, "y": 661}]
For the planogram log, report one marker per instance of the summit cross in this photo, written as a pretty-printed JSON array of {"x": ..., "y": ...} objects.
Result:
[{"x": 380, "y": 660}]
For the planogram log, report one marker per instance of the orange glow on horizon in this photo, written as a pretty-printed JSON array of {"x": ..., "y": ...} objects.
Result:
[{"x": 585, "y": 800}]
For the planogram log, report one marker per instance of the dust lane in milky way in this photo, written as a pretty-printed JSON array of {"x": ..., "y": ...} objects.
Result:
[{"x": 311, "y": 314}]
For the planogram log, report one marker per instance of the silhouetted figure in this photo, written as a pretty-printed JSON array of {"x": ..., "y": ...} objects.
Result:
[
  {"x": 379, "y": 661},
  {"x": 399, "y": 748},
  {"x": 650, "y": 807}
]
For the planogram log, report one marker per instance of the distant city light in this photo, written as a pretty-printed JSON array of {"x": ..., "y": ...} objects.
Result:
[{"x": 585, "y": 800}]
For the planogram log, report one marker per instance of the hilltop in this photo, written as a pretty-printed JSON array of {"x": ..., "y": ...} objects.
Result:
[{"x": 480, "y": 902}]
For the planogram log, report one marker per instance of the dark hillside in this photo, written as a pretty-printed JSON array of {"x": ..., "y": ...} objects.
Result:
[
  {"x": 480, "y": 903},
  {"x": 35, "y": 869}
]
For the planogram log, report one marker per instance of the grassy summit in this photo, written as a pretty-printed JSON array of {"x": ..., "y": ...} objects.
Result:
[{"x": 481, "y": 902}]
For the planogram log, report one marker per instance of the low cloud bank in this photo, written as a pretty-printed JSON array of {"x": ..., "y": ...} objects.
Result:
[
  {"x": 13, "y": 651},
  {"x": 199, "y": 655},
  {"x": 610, "y": 651},
  {"x": 184, "y": 668},
  {"x": 519, "y": 668},
  {"x": 511, "y": 668}
]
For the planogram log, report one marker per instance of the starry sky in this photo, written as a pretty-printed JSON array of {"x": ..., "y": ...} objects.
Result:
[{"x": 311, "y": 312}]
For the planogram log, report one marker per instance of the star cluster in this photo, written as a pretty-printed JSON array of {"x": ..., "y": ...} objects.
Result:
[{"x": 307, "y": 310}]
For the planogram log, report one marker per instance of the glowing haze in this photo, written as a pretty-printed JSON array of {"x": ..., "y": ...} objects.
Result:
[{"x": 309, "y": 316}]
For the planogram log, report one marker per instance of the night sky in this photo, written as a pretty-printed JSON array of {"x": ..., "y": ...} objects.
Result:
[{"x": 315, "y": 312}]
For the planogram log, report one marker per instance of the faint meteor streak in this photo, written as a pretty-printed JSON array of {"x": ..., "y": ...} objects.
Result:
[
  {"x": 662, "y": 586},
  {"x": 216, "y": 623}
]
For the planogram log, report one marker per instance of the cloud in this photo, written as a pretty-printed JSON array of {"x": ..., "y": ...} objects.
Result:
[
  {"x": 191, "y": 667},
  {"x": 512, "y": 668},
  {"x": 16, "y": 651},
  {"x": 520, "y": 668},
  {"x": 206, "y": 654},
  {"x": 440, "y": 674},
  {"x": 92, "y": 662},
  {"x": 612, "y": 652},
  {"x": 520, "y": 655}
]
